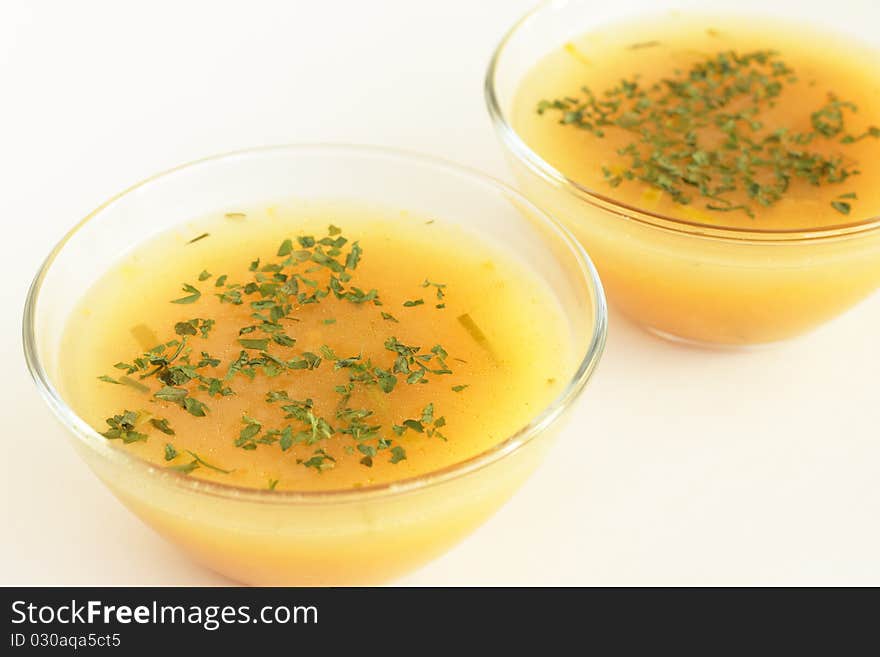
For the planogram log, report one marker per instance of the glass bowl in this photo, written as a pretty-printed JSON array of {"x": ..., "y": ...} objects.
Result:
[
  {"x": 686, "y": 280},
  {"x": 337, "y": 537}
]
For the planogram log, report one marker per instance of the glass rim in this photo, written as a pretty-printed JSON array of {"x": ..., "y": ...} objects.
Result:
[
  {"x": 92, "y": 440},
  {"x": 550, "y": 174}
]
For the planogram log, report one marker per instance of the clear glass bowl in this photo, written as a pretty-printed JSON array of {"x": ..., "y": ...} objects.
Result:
[
  {"x": 339, "y": 537},
  {"x": 687, "y": 280}
]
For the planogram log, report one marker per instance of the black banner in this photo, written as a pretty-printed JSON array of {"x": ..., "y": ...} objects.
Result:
[
  {"x": 123, "y": 620},
  {"x": 268, "y": 620}
]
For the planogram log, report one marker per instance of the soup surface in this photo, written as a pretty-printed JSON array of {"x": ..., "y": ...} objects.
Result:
[
  {"x": 314, "y": 347},
  {"x": 729, "y": 122}
]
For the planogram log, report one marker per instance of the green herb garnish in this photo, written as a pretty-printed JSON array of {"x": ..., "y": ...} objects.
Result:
[
  {"x": 320, "y": 461},
  {"x": 162, "y": 425},
  {"x": 185, "y": 468},
  {"x": 122, "y": 427},
  {"x": 701, "y": 133},
  {"x": 440, "y": 287},
  {"x": 841, "y": 206},
  {"x": 192, "y": 297},
  {"x": 170, "y": 452},
  {"x": 257, "y": 343},
  {"x": 305, "y": 270},
  {"x": 202, "y": 462}
]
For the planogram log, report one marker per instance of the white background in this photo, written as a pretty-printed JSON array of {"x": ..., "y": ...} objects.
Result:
[{"x": 680, "y": 466}]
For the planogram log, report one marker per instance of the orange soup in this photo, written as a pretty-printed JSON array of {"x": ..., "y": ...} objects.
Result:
[
  {"x": 309, "y": 350},
  {"x": 730, "y": 122}
]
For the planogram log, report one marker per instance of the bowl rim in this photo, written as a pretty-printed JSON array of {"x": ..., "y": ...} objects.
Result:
[
  {"x": 92, "y": 440},
  {"x": 544, "y": 170}
]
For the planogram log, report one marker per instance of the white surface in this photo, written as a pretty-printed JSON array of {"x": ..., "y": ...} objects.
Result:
[{"x": 679, "y": 465}]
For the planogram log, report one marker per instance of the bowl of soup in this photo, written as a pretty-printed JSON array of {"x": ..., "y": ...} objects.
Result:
[
  {"x": 718, "y": 159},
  {"x": 314, "y": 364}
]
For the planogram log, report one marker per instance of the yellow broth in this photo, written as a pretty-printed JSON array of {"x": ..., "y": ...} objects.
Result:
[
  {"x": 648, "y": 52},
  {"x": 502, "y": 334}
]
